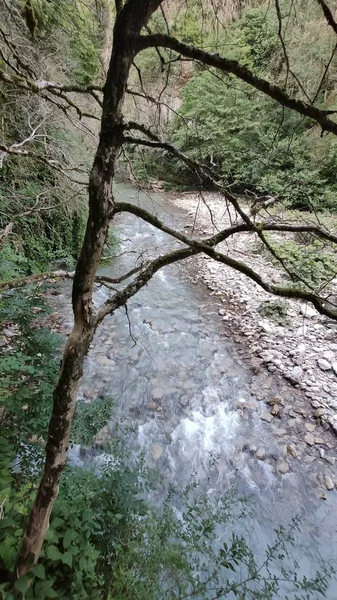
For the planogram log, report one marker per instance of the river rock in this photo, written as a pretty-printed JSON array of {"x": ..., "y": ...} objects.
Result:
[
  {"x": 301, "y": 331},
  {"x": 296, "y": 373},
  {"x": 323, "y": 364},
  {"x": 152, "y": 406},
  {"x": 334, "y": 367},
  {"x": 267, "y": 417},
  {"x": 292, "y": 451},
  {"x": 283, "y": 467},
  {"x": 309, "y": 439},
  {"x": 157, "y": 451},
  {"x": 184, "y": 400},
  {"x": 280, "y": 432},
  {"x": 260, "y": 454},
  {"x": 276, "y": 411},
  {"x": 275, "y": 400},
  {"x": 329, "y": 356},
  {"x": 266, "y": 327},
  {"x": 329, "y": 484},
  {"x": 318, "y": 412},
  {"x": 308, "y": 311},
  {"x": 310, "y": 426}
]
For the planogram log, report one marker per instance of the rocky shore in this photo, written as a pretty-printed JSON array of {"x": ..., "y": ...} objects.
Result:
[{"x": 300, "y": 353}]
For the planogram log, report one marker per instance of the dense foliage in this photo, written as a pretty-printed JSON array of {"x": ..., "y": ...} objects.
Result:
[
  {"x": 42, "y": 200},
  {"x": 255, "y": 145}
]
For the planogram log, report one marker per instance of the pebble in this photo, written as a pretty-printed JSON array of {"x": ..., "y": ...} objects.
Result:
[
  {"x": 323, "y": 364},
  {"x": 329, "y": 484},
  {"x": 156, "y": 452},
  {"x": 310, "y": 426},
  {"x": 308, "y": 311},
  {"x": 260, "y": 454},
  {"x": 281, "y": 432},
  {"x": 276, "y": 411},
  {"x": 267, "y": 417},
  {"x": 319, "y": 412},
  {"x": 292, "y": 451},
  {"x": 283, "y": 467},
  {"x": 309, "y": 439}
]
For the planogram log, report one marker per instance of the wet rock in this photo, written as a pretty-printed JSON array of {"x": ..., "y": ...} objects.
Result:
[
  {"x": 280, "y": 432},
  {"x": 323, "y": 364},
  {"x": 156, "y": 451},
  {"x": 283, "y": 467},
  {"x": 260, "y": 454},
  {"x": 276, "y": 411},
  {"x": 105, "y": 361},
  {"x": 153, "y": 406},
  {"x": 310, "y": 426},
  {"x": 267, "y": 417},
  {"x": 292, "y": 451},
  {"x": 275, "y": 400},
  {"x": 329, "y": 484},
  {"x": 157, "y": 393},
  {"x": 184, "y": 400},
  {"x": 309, "y": 439},
  {"x": 319, "y": 412}
]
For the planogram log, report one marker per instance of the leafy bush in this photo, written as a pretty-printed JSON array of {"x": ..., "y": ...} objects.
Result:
[
  {"x": 311, "y": 264},
  {"x": 276, "y": 310}
]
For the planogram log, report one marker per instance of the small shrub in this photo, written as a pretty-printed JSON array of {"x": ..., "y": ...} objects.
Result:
[{"x": 276, "y": 310}]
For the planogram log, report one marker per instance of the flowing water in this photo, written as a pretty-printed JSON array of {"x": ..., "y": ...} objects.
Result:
[{"x": 177, "y": 380}]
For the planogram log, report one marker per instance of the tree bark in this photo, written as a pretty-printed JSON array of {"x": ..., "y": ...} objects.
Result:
[{"x": 128, "y": 25}]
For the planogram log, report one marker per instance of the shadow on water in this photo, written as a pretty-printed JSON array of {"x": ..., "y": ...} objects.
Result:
[{"x": 178, "y": 382}]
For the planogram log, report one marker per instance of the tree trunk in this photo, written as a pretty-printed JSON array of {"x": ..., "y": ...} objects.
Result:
[{"x": 129, "y": 22}]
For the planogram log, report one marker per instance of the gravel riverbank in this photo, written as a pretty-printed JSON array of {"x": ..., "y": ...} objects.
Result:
[{"x": 301, "y": 352}]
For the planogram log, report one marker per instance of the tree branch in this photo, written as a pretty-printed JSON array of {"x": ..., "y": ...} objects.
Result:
[{"x": 232, "y": 66}]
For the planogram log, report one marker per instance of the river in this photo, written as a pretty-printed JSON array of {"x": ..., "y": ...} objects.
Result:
[{"x": 178, "y": 381}]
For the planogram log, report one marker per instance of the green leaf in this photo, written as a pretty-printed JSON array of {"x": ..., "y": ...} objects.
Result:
[
  {"x": 6, "y": 522},
  {"x": 68, "y": 538},
  {"x": 67, "y": 559},
  {"x": 53, "y": 553},
  {"x": 21, "y": 584},
  {"x": 39, "y": 571}
]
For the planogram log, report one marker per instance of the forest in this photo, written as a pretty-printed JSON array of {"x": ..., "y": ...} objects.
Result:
[{"x": 168, "y": 299}]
